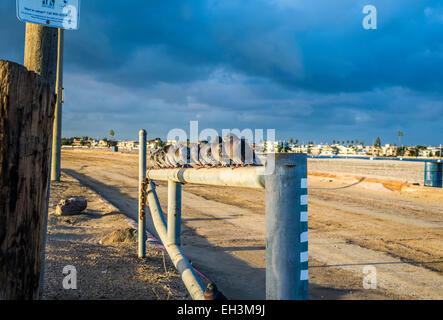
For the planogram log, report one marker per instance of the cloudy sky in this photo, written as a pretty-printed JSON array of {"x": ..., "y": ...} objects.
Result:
[{"x": 305, "y": 68}]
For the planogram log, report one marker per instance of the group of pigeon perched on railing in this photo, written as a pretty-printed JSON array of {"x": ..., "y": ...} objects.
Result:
[{"x": 230, "y": 151}]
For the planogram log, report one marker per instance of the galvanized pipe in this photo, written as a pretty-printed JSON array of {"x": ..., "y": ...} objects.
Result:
[
  {"x": 248, "y": 177},
  {"x": 285, "y": 182},
  {"x": 141, "y": 196},
  {"x": 57, "y": 129},
  {"x": 287, "y": 229},
  {"x": 188, "y": 275},
  {"x": 174, "y": 212}
]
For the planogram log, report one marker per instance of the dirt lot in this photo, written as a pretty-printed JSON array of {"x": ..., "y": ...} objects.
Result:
[
  {"x": 353, "y": 222},
  {"x": 111, "y": 271},
  {"x": 397, "y": 170}
]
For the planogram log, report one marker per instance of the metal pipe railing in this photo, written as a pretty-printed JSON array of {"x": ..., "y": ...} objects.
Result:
[
  {"x": 188, "y": 275},
  {"x": 247, "y": 177},
  {"x": 284, "y": 179}
]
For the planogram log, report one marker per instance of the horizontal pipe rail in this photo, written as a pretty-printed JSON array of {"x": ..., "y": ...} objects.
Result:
[
  {"x": 247, "y": 177},
  {"x": 181, "y": 263}
]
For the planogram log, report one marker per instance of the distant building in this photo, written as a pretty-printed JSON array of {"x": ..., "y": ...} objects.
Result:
[
  {"x": 436, "y": 151},
  {"x": 429, "y": 152},
  {"x": 128, "y": 144},
  {"x": 389, "y": 151},
  {"x": 373, "y": 151},
  {"x": 329, "y": 151},
  {"x": 173, "y": 142},
  {"x": 104, "y": 143},
  {"x": 315, "y": 150},
  {"x": 83, "y": 142},
  {"x": 77, "y": 142},
  {"x": 299, "y": 148}
]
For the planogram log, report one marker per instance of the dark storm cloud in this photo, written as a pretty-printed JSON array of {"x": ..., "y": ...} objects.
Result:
[
  {"x": 306, "y": 68},
  {"x": 318, "y": 46}
]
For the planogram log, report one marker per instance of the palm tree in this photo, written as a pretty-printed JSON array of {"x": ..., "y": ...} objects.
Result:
[{"x": 377, "y": 142}]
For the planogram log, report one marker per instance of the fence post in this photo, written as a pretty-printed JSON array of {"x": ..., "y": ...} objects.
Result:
[
  {"x": 174, "y": 212},
  {"x": 56, "y": 136},
  {"x": 141, "y": 195},
  {"x": 287, "y": 229},
  {"x": 27, "y": 104}
]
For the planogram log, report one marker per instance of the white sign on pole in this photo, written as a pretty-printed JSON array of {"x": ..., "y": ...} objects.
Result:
[{"x": 64, "y": 14}]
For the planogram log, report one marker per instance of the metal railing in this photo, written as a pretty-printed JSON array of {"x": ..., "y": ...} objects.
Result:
[{"x": 285, "y": 184}]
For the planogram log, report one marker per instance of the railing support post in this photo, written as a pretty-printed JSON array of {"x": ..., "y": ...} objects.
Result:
[
  {"x": 287, "y": 229},
  {"x": 174, "y": 212},
  {"x": 141, "y": 195}
]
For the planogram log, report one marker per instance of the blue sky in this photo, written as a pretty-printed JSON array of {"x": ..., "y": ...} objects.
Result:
[{"x": 305, "y": 68}]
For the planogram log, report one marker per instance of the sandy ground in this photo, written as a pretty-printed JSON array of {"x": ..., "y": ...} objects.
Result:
[
  {"x": 353, "y": 222},
  {"x": 110, "y": 271},
  {"x": 397, "y": 170}
]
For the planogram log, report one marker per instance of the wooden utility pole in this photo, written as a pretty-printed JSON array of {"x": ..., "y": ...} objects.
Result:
[
  {"x": 41, "y": 51},
  {"x": 56, "y": 136},
  {"x": 41, "y": 56},
  {"x": 27, "y": 103}
]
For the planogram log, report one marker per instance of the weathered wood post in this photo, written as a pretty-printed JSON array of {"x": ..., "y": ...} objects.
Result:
[
  {"x": 287, "y": 228},
  {"x": 41, "y": 54},
  {"x": 27, "y": 103}
]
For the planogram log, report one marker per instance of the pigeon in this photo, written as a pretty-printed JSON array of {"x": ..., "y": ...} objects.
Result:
[
  {"x": 194, "y": 155},
  {"x": 239, "y": 151},
  {"x": 228, "y": 146},
  {"x": 158, "y": 158},
  {"x": 205, "y": 155},
  {"x": 212, "y": 293},
  {"x": 150, "y": 155},
  {"x": 154, "y": 160},
  {"x": 182, "y": 155},
  {"x": 169, "y": 156},
  {"x": 217, "y": 152}
]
